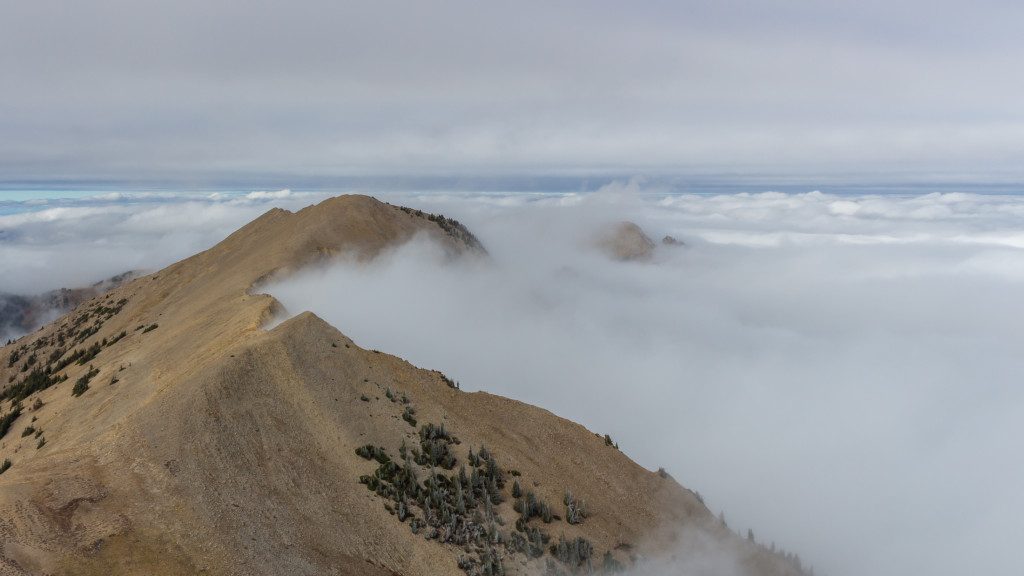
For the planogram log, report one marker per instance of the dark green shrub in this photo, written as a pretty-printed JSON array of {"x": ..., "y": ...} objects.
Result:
[
  {"x": 80, "y": 387},
  {"x": 575, "y": 552},
  {"x": 7, "y": 419},
  {"x": 89, "y": 354},
  {"x": 448, "y": 381},
  {"x": 407, "y": 416},
  {"x": 37, "y": 379},
  {"x": 371, "y": 452},
  {"x": 82, "y": 384},
  {"x": 611, "y": 565}
]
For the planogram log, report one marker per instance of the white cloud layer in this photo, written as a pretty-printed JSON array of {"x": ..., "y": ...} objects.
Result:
[
  {"x": 838, "y": 373},
  {"x": 74, "y": 243}
]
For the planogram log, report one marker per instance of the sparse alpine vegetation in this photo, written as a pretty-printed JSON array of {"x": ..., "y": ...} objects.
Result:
[
  {"x": 434, "y": 490},
  {"x": 7, "y": 419},
  {"x": 82, "y": 384},
  {"x": 41, "y": 376},
  {"x": 462, "y": 508},
  {"x": 449, "y": 226}
]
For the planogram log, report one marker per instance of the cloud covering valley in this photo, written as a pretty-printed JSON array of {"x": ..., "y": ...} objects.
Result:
[{"x": 839, "y": 374}]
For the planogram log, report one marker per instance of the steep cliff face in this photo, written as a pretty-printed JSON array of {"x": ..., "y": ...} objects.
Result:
[{"x": 160, "y": 429}]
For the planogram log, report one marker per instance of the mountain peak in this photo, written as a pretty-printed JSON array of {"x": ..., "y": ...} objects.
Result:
[{"x": 158, "y": 429}]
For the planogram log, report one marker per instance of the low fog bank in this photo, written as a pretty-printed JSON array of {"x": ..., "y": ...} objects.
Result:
[{"x": 838, "y": 374}]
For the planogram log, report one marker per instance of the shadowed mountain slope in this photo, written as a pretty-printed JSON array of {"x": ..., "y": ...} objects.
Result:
[
  {"x": 157, "y": 429},
  {"x": 21, "y": 314}
]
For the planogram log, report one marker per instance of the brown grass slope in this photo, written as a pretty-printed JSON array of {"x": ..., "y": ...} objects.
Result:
[{"x": 204, "y": 444}]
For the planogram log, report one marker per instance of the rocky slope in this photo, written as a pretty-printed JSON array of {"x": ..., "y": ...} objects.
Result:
[{"x": 159, "y": 429}]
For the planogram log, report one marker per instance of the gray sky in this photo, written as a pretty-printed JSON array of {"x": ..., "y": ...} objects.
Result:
[{"x": 225, "y": 92}]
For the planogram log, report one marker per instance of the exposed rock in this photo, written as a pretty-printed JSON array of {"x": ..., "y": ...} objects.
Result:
[{"x": 625, "y": 241}]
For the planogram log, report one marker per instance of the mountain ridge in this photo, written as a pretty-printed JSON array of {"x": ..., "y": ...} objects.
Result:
[{"x": 204, "y": 443}]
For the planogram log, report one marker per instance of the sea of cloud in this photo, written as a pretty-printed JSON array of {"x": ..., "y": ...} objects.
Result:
[
  {"x": 71, "y": 243},
  {"x": 838, "y": 373}
]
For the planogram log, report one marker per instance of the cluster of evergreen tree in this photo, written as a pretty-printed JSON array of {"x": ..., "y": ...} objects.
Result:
[
  {"x": 450, "y": 226},
  {"x": 7, "y": 419},
  {"x": 460, "y": 508},
  {"x": 42, "y": 377},
  {"x": 576, "y": 552}
]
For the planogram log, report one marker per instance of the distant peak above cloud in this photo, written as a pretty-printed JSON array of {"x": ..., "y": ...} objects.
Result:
[{"x": 625, "y": 241}]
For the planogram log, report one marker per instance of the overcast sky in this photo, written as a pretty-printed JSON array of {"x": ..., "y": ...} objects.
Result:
[{"x": 224, "y": 93}]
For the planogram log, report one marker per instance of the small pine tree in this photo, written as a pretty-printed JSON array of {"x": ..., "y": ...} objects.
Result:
[{"x": 572, "y": 515}]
